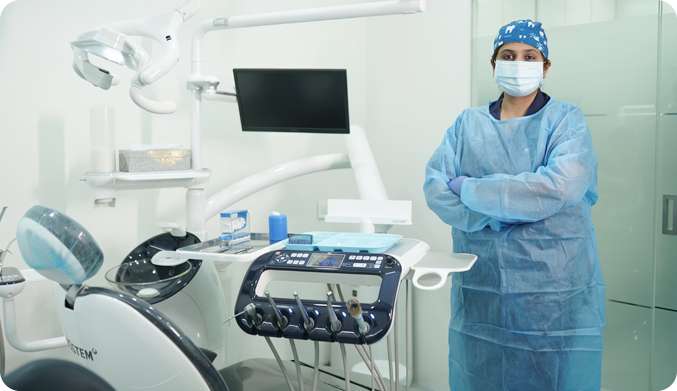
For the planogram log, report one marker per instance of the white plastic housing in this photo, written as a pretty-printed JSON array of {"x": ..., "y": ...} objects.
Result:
[
  {"x": 377, "y": 212},
  {"x": 123, "y": 347}
]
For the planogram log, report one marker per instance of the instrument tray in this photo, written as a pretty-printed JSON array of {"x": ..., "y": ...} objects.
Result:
[{"x": 348, "y": 242}]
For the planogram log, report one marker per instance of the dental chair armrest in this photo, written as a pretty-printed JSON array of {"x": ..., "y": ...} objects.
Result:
[{"x": 13, "y": 338}]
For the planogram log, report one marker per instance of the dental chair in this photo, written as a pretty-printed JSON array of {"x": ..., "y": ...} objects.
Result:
[{"x": 119, "y": 337}]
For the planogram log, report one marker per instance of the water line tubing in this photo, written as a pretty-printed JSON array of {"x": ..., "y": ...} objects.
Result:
[
  {"x": 2, "y": 353},
  {"x": 346, "y": 371},
  {"x": 390, "y": 360},
  {"x": 362, "y": 351},
  {"x": 371, "y": 369},
  {"x": 373, "y": 365},
  {"x": 317, "y": 365},
  {"x": 296, "y": 361},
  {"x": 397, "y": 354},
  {"x": 363, "y": 354},
  {"x": 279, "y": 362},
  {"x": 407, "y": 314}
]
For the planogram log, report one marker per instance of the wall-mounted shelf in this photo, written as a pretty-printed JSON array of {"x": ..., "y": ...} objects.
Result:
[{"x": 104, "y": 186}]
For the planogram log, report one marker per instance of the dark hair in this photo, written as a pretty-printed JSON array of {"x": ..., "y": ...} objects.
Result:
[{"x": 493, "y": 58}]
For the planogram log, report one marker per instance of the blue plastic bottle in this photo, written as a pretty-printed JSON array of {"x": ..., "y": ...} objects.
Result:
[{"x": 277, "y": 227}]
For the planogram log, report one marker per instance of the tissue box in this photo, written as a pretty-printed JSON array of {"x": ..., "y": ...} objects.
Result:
[{"x": 154, "y": 160}]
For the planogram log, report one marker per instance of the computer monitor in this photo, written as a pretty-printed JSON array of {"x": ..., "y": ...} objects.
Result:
[{"x": 293, "y": 100}]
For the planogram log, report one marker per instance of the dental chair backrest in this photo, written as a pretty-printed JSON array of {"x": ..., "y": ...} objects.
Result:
[{"x": 118, "y": 336}]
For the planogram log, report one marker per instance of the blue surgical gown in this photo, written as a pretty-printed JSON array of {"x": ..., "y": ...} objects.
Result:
[{"x": 529, "y": 315}]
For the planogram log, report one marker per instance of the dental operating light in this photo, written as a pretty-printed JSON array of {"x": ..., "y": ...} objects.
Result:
[{"x": 113, "y": 42}]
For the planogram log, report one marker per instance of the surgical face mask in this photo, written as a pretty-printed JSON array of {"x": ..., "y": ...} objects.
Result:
[{"x": 518, "y": 78}]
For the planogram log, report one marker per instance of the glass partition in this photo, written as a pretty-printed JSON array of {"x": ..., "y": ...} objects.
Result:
[{"x": 616, "y": 60}]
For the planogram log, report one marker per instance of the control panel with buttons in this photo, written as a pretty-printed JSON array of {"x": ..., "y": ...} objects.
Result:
[
  {"x": 378, "y": 314},
  {"x": 334, "y": 260}
]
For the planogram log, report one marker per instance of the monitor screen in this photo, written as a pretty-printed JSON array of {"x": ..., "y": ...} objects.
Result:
[{"x": 293, "y": 100}]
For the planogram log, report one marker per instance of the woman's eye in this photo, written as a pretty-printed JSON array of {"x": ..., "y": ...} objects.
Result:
[{"x": 507, "y": 56}]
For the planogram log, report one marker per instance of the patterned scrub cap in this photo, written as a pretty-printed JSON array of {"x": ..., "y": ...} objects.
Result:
[{"x": 524, "y": 31}]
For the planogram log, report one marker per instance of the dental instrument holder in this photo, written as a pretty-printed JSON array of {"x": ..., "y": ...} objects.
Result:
[{"x": 378, "y": 315}]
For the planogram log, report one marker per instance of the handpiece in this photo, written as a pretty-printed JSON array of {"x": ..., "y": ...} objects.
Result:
[
  {"x": 281, "y": 320},
  {"x": 307, "y": 321},
  {"x": 355, "y": 310},
  {"x": 250, "y": 309},
  {"x": 335, "y": 323}
]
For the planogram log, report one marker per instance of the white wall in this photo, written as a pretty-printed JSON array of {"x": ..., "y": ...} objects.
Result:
[
  {"x": 418, "y": 82},
  {"x": 409, "y": 77}
]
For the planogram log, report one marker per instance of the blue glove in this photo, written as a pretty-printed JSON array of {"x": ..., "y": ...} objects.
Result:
[
  {"x": 504, "y": 224},
  {"x": 456, "y": 183}
]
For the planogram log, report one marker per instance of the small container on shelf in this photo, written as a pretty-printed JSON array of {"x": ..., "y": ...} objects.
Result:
[{"x": 235, "y": 226}]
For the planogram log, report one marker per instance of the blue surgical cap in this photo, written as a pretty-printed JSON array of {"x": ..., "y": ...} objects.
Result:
[{"x": 524, "y": 31}]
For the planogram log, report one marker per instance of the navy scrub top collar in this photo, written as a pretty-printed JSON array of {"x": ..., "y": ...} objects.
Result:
[{"x": 539, "y": 102}]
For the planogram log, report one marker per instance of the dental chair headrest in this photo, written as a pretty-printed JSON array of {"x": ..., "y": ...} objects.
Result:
[{"x": 57, "y": 247}]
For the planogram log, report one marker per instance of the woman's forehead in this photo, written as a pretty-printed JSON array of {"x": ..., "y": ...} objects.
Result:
[{"x": 517, "y": 47}]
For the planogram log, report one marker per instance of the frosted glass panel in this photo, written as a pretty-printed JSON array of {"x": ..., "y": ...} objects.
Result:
[
  {"x": 666, "y": 245},
  {"x": 627, "y": 348},
  {"x": 634, "y": 8},
  {"x": 483, "y": 87},
  {"x": 578, "y": 12},
  {"x": 603, "y": 10},
  {"x": 552, "y": 13},
  {"x": 623, "y": 216},
  {"x": 598, "y": 76},
  {"x": 487, "y": 17},
  {"x": 669, "y": 61},
  {"x": 666, "y": 170},
  {"x": 665, "y": 350},
  {"x": 517, "y": 9}
]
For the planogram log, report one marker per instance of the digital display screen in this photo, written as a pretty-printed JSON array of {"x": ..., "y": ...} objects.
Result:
[
  {"x": 293, "y": 100},
  {"x": 326, "y": 260}
]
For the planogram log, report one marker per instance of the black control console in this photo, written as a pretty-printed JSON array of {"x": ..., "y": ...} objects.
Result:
[{"x": 378, "y": 315}]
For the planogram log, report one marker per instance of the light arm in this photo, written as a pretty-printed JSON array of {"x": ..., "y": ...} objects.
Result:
[
  {"x": 271, "y": 176},
  {"x": 381, "y": 8}
]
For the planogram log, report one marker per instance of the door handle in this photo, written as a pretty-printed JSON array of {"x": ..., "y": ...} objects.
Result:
[{"x": 669, "y": 208}]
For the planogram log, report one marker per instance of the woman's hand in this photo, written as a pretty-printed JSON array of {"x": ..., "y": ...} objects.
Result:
[{"x": 456, "y": 183}]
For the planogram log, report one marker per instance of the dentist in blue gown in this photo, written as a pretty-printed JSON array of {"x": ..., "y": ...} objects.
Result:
[{"x": 516, "y": 180}]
